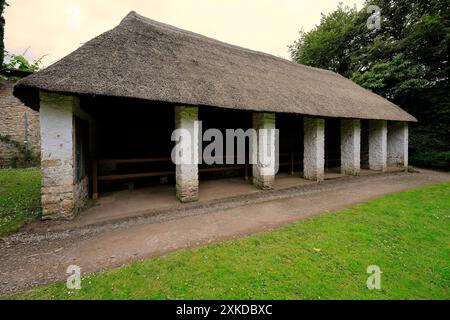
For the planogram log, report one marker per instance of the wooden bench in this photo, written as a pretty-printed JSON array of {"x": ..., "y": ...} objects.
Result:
[
  {"x": 130, "y": 176},
  {"x": 115, "y": 177}
]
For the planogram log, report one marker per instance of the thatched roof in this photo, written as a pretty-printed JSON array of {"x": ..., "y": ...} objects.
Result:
[{"x": 148, "y": 60}]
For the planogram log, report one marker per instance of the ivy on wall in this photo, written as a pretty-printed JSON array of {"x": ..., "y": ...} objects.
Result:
[{"x": 26, "y": 157}]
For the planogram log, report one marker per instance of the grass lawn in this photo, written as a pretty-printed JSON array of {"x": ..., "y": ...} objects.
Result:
[
  {"x": 19, "y": 198},
  {"x": 406, "y": 234}
]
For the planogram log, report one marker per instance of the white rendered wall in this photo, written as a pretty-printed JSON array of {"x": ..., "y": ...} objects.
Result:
[
  {"x": 57, "y": 159},
  {"x": 378, "y": 145},
  {"x": 187, "y": 164},
  {"x": 314, "y": 149},
  {"x": 350, "y": 146},
  {"x": 397, "y": 144},
  {"x": 264, "y": 153},
  {"x": 62, "y": 196}
]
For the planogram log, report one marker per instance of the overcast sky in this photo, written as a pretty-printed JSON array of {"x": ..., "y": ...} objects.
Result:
[{"x": 57, "y": 27}]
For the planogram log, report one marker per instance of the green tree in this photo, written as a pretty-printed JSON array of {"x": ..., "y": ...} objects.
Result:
[
  {"x": 3, "y": 5},
  {"x": 406, "y": 61},
  {"x": 19, "y": 62},
  {"x": 329, "y": 45},
  {"x": 15, "y": 61}
]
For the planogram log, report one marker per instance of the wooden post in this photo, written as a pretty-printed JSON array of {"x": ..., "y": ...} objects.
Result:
[
  {"x": 246, "y": 169},
  {"x": 95, "y": 180}
]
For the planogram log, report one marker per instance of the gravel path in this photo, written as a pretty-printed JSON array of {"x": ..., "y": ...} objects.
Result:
[{"x": 41, "y": 255}]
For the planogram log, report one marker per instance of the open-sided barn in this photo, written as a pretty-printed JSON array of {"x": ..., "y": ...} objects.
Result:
[{"x": 108, "y": 110}]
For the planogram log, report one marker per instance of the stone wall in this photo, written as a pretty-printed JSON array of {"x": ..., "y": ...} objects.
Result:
[
  {"x": 81, "y": 194},
  {"x": 12, "y": 128}
]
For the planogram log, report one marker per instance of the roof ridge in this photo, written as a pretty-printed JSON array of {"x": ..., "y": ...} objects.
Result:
[{"x": 135, "y": 15}]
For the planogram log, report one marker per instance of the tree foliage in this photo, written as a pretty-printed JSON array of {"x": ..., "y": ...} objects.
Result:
[
  {"x": 327, "y": 46},
  {"x": 406, "y": 61},
  {"x": 3, "y": 5},
  {"x": 13, "y": 61},
  {"x": 19, "y": 62}
]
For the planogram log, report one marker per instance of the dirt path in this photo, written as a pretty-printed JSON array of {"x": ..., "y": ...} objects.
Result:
[{"x": 34, "y": 258}]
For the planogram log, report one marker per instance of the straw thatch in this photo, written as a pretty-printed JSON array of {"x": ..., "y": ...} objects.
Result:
[{"x": 148, "y": 60}]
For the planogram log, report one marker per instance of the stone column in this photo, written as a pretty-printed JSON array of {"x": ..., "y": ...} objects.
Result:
[
  {"x": 57, "y": 155},
  {"x": 187, "y": 153},
  {"x": 314, "y": 149},
  {"x": 397, "y": 144},
  {"x": 263, "y": 150},
  {"x": 350, "y": 146},
  {"x": 378, "y": 145}
]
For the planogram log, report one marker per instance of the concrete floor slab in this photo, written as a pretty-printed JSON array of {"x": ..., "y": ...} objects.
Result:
[{"x": 132, "y": 203}]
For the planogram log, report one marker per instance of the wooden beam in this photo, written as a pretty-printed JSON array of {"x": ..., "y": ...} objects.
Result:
[
  {"x": 246, "y": 177},
  {"x": 144, "y": 160},
  {"x": 116, "y": 177},
  {"x": 219, "y": 169}
]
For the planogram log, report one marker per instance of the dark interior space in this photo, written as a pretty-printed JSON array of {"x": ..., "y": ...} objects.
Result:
[
  {"x": 81, "y": 148},
  {"x": 222, "y": 119},
  {"x": 134, "y": 131},
  {"x": 332, "y": 144},
  {"x": 132, "y": 138},
  {"x": 291, "y": 143},
  {"x": 133, "y": 143},
  {"x": 364, "y": 144}
]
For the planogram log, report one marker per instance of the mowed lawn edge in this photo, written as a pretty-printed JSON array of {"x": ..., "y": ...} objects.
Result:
[
  {"x": 20, "y": 198},
  {"x": 406, "y": 234}
]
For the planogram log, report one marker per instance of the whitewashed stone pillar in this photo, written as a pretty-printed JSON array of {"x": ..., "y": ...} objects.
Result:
[
  {"x": 378, "y": 145},
  {"x": 314, "y": 149},
  {"x": 263, "y": 150},
  {"x": 187, "y": 166},
  {"x": 57, "y": 155},
  {"x": 397, "y": 144},
  {"x": 350, "y": 146}
]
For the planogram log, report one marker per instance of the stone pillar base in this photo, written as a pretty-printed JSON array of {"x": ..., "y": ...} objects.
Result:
[
  {"x": 57, "y": 202},
  {"x": 264, "y": 182},
  {"x": 187, "y": 190}
]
